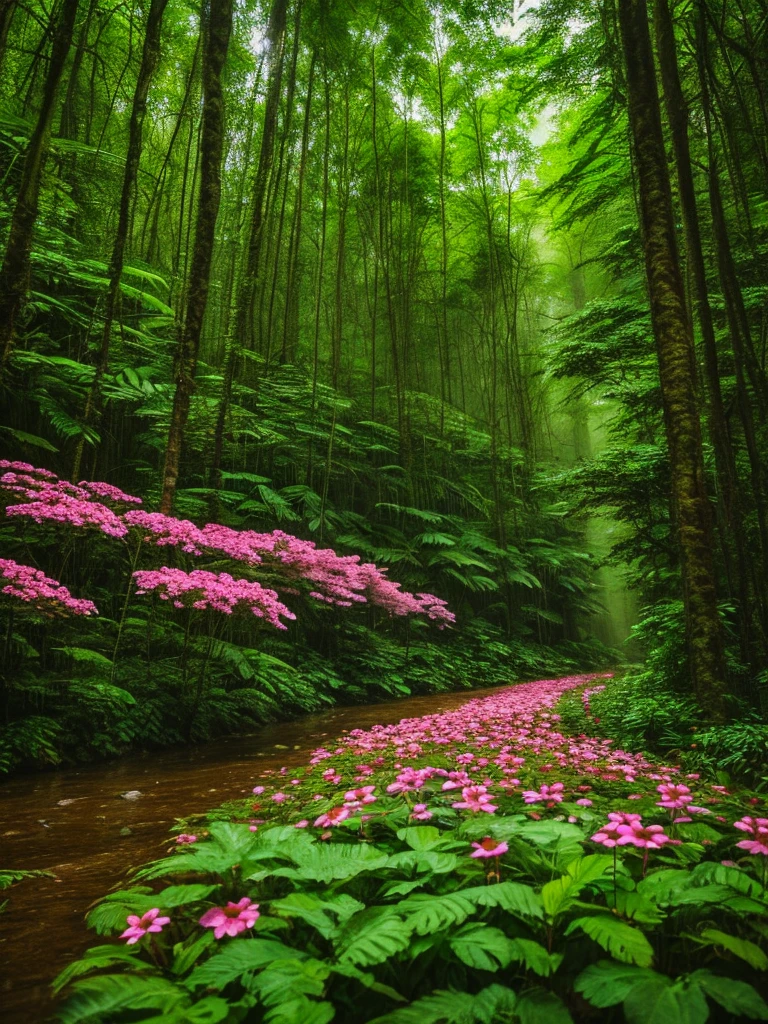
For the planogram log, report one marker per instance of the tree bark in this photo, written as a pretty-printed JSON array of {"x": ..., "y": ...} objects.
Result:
[
  {"x": 14, "y": 275},
  {"x": 216, "y": 26},
  {"x": 150, "y": 58},
  {"x": 677, "y": 367},
  {"x": 247, "y": 286}
]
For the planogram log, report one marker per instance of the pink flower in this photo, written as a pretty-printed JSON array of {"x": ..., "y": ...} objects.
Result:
[
  {"x": 184, "y": 838},
  {"x": 139, "y": 926},
  {"x": 40, "y": 591},
  {"x": 755, "y": 846},
  {"x": 420, "y": 813},
  {"x": 584, "y": 802},
  {"x": 279, "y": 798},
  {"x": 333, "y": 817},
  {"x": 232, "y": 919},
  {"x": 475, "y": 799},
  {"x": 549, "y": 794},
  {"x": 649, "y": 837},
  {"x": 364, "y": 795},
  {"x": 674, "y": 797},
  {"x": 301, "y": 824},
  {"x": 258, "y": 790},
  {"x": 489, "y": 848}
]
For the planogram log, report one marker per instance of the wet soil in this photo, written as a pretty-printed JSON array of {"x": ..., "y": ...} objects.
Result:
[{"x": 76, "y": 824}]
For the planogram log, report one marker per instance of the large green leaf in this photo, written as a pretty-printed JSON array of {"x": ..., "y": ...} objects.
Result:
[
  {"x": 621, "y": 940},
  {"x": 607, "y": 983},
  {"x": 742, "y": 948},
  {"x": 372, "y": 937},
  {"x": 736, "y": 997},
  {"x": 99, "y": 999},
  {"x": 482, "y": 947},
  {"x": 538, "y": 1006},
  {"x": 237, "y": 959}
]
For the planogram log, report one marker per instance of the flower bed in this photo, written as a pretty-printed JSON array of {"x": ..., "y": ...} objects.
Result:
[{"x": 473, "y": 865}]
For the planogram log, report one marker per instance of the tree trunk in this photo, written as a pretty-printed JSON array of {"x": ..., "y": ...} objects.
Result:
[
  {"x": 677, "y": 368},
  {"x": 244, "y": 301},
  {"x": 725, "y": 462},
  {"x": 150, "y": 58},
  {"x": 216, "y": 26},
  {"x": 14, "y": 275}
]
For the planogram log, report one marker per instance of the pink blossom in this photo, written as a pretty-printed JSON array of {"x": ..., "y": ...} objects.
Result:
[
  {"x": 583, "y": 802},
  {"x": 333, "y": 817},
  {"x": 674, "y": 797},
  {"x": 420, "y": 813},
  {"x": 201, "y": 589},
  {"x": 232, "y": 919},
  {"x": 649, "y": 837},
  {"x": 548, "y": 794},
  {"x": 489, "y": 848},
  {"x": 301, "y": 824},
  {"x": 258, "y": 790},
  {"x": 184, "y": 838},
  {"x": 140, "y": 926},
  {"x": 756, "y": 846},
  {"x": 40, "y": 591},
  {"x": 475, "y": 798},
  {"x": 279, "y": 798}
]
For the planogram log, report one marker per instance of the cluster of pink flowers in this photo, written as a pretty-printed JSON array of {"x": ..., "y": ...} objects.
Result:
[
  {"x": 201, "y": 589},
  {"x": 35, "y": 588},
  {"x": 758, "y": 829},
  {"x": 341, "y": 580}
]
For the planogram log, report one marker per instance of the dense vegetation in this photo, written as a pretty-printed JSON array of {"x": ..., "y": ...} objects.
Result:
[{"x": 351, "y": 350}]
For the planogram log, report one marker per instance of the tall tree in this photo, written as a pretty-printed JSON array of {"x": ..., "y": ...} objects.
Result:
[
  {"x": 150, "y": 58},
  {"x": 14, "y": 275},
  {"x": 677, "y": 366},
  {"x": 216, "y": 27}
]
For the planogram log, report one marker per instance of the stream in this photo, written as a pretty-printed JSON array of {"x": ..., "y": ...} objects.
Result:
[{"x": 76, "y": 824}]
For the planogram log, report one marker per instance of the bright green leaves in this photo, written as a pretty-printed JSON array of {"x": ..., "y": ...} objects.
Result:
[
  {"x": 482, "y": 947},
  {"x": 621, "y": 940},
  {"x": 651, "y": 998},
  {"x": 492, "y": 1005},
  {"x": 742, "y": 948},
  {"x": 236, "y": 959},
  {"x": 372, "y": 936}
]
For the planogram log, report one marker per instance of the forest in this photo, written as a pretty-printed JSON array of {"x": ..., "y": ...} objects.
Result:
[{"x": 358, "y": 355}]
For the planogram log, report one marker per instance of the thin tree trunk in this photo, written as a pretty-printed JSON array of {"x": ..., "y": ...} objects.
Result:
[
  {"x": 150, "y": 58},
  {"x": 216, "y": 26},
  {"x": 677, "y": 367},
  {"x": 247, "y": 286},
  {"x": 14, "y": 275}
]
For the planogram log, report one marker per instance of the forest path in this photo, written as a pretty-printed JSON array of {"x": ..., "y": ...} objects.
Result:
[{"x": 76, "y": 824}]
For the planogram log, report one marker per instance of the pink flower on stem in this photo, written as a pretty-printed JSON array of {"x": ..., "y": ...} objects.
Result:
[
  {"x": 232, "y": 919},
  {"x": 140, "y": 926},
  {"x": 420, "y": 813},
  {"x": 333, "y": 817},
  {"x": 489, "y": 848},
  {"x": 648, "y": 837},
  {"x": 674, "y": 797},
  {"x": 279, "y": 798},
  {"x": 184, "y": 838},
  {"x": 363, "y": 795},
  {"x": 258, "y": 790},
  {"x": 547, "y": 794},
  {"x": 475, "y": 798}
]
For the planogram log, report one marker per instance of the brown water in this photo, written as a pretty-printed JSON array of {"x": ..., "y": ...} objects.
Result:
[{"x": 73, "y": 823}]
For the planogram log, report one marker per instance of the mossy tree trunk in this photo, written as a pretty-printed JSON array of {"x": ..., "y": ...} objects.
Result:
[
  {"x": 216, "y": 25},
  {"x": 677, "y": 367}
]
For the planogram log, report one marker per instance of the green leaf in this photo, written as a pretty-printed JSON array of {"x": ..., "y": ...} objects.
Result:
[
  {"x": 237, "y": 959},
  {"x": 180, "y": 895},
  {"x": 742, "y": 948},
  {"x": 514, "y": 897},
  {"x": 439, "y": 1007},
  {"x": 607, "y": 983},
  {"x": 658, "y": 1001},
  {"x": 420, "y": 837},
  {"x": 97, "y": 958},
  {"x": 372, "y": 937},
  {"x": 538, "y": 1006},
  {"x": 482, "y": 947},
  {"x": 102, "y": 997},
  {"x": 736, "y": 997},
  {"x": 328, "y": 862},
  {"x": 621, "y": 940},
  {"x": 426, "y": 914}
]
